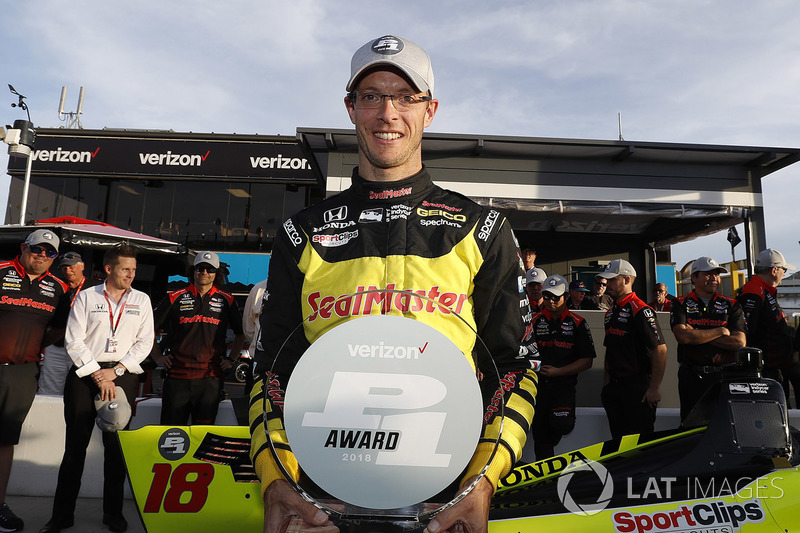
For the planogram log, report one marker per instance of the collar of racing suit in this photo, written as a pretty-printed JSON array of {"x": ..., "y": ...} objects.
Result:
[{"x": 409, "y": 189}]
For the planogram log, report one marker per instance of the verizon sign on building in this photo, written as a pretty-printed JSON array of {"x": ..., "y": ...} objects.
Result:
[{"x": 123, "y": 154}]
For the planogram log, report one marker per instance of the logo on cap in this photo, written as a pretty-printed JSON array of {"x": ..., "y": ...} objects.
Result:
[
  {"x": 387, "y": 45},
  {"x": 553, "y": 282},
  {"x": 207, "y": 256}
]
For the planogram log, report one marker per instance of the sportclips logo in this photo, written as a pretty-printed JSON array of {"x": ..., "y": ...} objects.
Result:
[
  {"x": 60, "y": 155},
  {"x": 707, "y": 517}
]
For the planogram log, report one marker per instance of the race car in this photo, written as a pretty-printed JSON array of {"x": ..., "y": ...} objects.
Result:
[{"x": 732, "y": 466}]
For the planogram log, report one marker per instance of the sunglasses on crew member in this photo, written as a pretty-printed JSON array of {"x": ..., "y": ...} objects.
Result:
[
  {"x": 550, "y": 296},
  {"x": 601, "y": 283},
  {"x": 208, "y": 268},
  {"x": 36, "y": 250}
]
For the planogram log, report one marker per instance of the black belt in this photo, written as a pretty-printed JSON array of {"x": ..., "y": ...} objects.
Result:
[
  {"x": 108, "y": 364},
  {"x": 704, "y": 369}
]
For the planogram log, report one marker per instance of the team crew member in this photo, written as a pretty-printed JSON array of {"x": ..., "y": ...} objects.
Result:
[
  {"x": 393, "y": 228},
  {"x": 109, "y": 334},
  {"x": 598, "y": 295},
  {"x": 664, "y": 300},
  {"x": 534, "y": 278},
  {"x": 766, "y": 322},
  {"x": 708, "y": 327},
  {"x": 636, "y": 356},
  {"x": 31, "y": 301},
  {"x": 577, "y": 297},
  {"x": 197, "y": 318},
  {"x": 56, "y": 362},
  {"x": 566, "y": 349}
]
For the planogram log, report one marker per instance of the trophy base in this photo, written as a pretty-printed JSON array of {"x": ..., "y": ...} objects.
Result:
[{"x": 363, "y": 525}]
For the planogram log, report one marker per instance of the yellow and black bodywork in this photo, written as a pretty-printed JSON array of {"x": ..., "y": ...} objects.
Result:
[{"x": 733, "y": 467}]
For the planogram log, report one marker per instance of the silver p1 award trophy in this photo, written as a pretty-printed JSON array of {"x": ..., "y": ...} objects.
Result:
[{"x": 383, "y": 413}]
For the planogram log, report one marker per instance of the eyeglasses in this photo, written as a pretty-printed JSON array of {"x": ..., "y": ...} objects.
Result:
[
  {"x": 375, "y": 100},
  {"x": 209, "y": 269},
  {"x": 549, "y": 296},
  {"x": 36, "y": 250},
  {"x": 601, "y": 283}
]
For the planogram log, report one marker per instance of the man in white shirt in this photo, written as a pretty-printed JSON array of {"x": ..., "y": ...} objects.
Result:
[{"x": 109, "y": 333}]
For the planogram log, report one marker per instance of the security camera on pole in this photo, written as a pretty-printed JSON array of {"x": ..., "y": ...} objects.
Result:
[{"x": 20, "y": 140}]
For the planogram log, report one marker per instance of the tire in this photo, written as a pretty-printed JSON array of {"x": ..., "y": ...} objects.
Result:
[{"x": 240, "y": 372}]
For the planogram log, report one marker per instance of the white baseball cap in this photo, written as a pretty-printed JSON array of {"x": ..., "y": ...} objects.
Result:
[
  {"x": 535, "y": 275},
  {"x": 618, "y": 267},
  {"x": 113, "y": 415},
  {"x": 43, "y": 236},
  {"x": 555, "y": 285},
  {"x": 207, "y": 257},
  {"x": 706, "y": 264},
  {"x": 396, "y": 52},
  {"x": 772, "y": 258}
]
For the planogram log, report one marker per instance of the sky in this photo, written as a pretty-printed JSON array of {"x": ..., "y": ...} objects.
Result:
[{"x": 710, "y": 72}]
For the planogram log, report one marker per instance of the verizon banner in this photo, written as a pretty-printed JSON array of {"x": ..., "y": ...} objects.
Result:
[{"x": 125, "y": 156}]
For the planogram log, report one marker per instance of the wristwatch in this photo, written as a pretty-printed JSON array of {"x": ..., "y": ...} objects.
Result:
[{"x": 119, "y": 371}]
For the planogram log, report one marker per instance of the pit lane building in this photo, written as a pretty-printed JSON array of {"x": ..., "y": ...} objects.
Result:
[{"x": 579, "y": 202}]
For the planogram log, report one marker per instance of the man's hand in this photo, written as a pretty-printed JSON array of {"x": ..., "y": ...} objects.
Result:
[
  {"x": 166, "y": 362},
  {"x": 549, "y": 371},
  {"x": 104, "y": 379},
  {"x": 652, "y": 396},
  {"x": 226, "y": 364},
  {"x": 282, "y": 503},
  {"x": 470, "y": 515}
]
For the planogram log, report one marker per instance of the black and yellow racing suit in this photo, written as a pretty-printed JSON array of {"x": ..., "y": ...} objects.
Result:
[{"x": 408, "y": 235}]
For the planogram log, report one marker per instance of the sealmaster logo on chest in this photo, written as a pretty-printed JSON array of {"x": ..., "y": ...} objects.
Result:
[
  {"x": 384, "y": 195},
  {"x": 367, "y": 303}
]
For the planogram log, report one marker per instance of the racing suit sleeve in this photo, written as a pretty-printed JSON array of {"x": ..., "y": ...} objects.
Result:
[
  {"x": 280, "y": 320},
  {"x": 503, "y": 322}
]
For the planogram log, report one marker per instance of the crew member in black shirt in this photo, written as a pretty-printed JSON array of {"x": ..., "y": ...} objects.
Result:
[
  {"x": 196, "y": 319},
  {"x": 566, "y": 348},
  {"x": 31, "y": 301},
  {"x": 709, "y": 327},
  {"x": 767, "y": 327},
  {"x": 636, "y": 356}
]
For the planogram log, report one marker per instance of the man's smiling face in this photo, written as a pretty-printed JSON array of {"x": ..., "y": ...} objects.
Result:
[{"x": 389, "y": 137}]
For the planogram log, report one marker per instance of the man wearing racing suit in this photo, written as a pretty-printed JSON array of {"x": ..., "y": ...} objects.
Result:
[{"x": 393, "y": 229}]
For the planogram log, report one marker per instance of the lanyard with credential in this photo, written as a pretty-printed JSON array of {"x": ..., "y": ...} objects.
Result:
[
  {"x": 111, "y": 344},
  {"x": 77, "y": 290}
]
